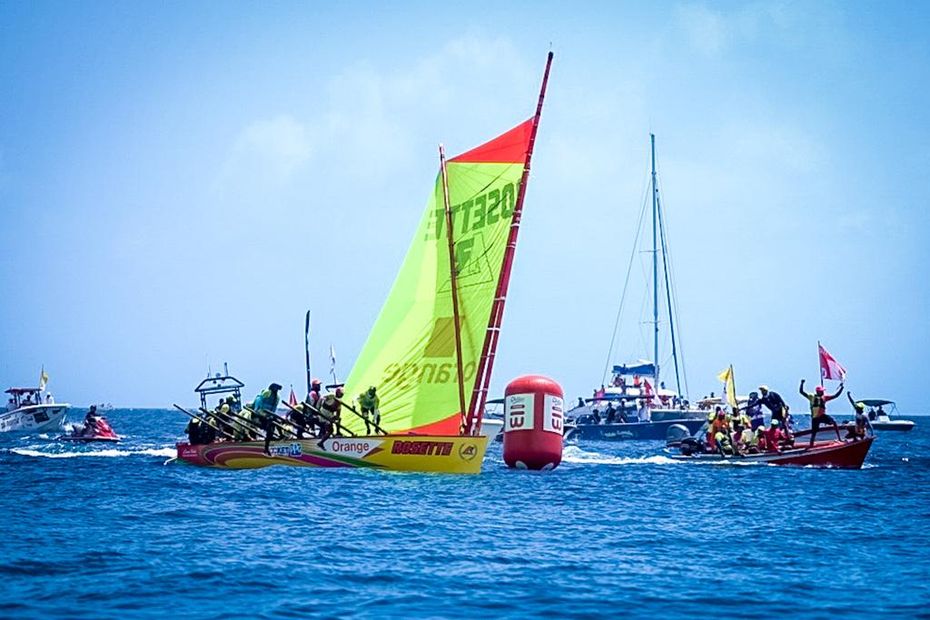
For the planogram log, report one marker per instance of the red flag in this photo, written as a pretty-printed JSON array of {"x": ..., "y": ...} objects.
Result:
[
  {"x": 829, "y": 367},
  {"x": 292, "y": 399}
]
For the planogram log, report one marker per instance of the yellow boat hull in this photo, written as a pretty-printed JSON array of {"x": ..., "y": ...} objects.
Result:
[{"x": 451, "y": 454}]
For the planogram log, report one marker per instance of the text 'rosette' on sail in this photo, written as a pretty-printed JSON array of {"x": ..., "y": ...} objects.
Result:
[{"x": 410, "y": 353}]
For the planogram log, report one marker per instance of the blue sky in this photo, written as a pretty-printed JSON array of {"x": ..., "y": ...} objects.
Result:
[{"x": 179, "y": 182}]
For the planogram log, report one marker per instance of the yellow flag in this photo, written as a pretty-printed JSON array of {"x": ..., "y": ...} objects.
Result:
[
  {"x": 727, "y": 377},
  {"x": 43, "y": 379}
]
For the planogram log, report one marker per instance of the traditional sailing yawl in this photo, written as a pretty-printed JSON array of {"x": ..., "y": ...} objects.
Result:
[{"x": 431, "y": 350}]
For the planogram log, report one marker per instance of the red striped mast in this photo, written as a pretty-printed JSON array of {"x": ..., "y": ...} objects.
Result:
[{"x": 472, "y": 424}]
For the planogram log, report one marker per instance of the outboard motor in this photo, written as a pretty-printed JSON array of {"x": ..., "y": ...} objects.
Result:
[{"x": 675, "y": 434}]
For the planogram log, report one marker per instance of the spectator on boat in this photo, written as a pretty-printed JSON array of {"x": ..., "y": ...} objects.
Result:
[
  {"x": 881, "y": 412},
  {"x": 49, "y": 399},
  {"x": 368, "y": 403},
  {"x": 754, "y": 411},
  {"x": 637, "y": 382},
  {"x": 611, "y": 414},
  {"x": 595, "y": 416},
  {"x": 818, "y": 401},
  {"x": 774, "y": 436},
  {"x": 774, "y": 403},
  {"x": 759, "y": 440},
  {"x": 872, "y": 415},
  {"x": 580, "y": 402},
  {"x": 862, "y": 423},
  {"x": 644, "y": 413},
  {"x": 719, "y": 425},
  {"x": 742, "y": 437}
]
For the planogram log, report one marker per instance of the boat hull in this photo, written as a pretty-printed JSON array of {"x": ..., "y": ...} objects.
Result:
[
  {"x": 826, "y": 454},
  {"x": 896, "y": 425},
  {"x": 637, "y": 431},
  {"x": 44, "y": 417},
  {"x": 451, "y": 454}
]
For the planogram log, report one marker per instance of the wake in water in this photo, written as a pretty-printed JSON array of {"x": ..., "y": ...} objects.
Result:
[
  {"x": 574, "y": 454},
  {"x": 110, "y": 453}
]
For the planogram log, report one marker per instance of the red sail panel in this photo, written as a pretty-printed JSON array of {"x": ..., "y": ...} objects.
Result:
[{"x": 507, "y": 148}]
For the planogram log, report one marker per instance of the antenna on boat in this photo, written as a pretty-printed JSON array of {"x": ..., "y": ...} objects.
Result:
[
  {"x": 486, "y": 361},
  {"x": 453, "y": 276}
]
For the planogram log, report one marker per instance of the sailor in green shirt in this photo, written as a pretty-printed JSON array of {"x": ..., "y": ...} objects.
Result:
[{"x": 368, "y": 401}]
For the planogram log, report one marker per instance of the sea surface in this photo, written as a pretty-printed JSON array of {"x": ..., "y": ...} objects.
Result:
[{"x": 113, "y": 531}]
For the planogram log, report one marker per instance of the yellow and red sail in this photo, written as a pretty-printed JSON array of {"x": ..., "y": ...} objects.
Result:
[{"x": 410, "y": 353}]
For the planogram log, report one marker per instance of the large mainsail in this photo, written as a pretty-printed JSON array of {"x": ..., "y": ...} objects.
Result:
[{"x": 410, "y": 353}]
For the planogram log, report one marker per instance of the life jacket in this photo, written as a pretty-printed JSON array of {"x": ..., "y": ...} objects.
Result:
[
  {"x": 818, "y": 405},
  {"x": 329, "y": 406}
]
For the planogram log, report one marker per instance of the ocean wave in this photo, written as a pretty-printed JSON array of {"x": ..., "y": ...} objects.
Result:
[
  {"x": 574, "y": 454},
  {"x": 163, "y": 452}
]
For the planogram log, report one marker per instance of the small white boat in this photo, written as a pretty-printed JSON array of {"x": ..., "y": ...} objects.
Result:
[
  {"x": 880, "y": 419},
  {"x": 25, "y": 411}
]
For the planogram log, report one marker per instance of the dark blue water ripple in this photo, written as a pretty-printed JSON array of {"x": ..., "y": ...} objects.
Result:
[{"x": 112, "y": 532}]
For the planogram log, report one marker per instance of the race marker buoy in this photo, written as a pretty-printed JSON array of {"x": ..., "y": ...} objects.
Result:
[{"x": 533, "y": 423}]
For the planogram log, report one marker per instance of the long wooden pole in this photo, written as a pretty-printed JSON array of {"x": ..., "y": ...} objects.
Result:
[
  {"x": 453, "y": 276},
  {"x": 486, "y": 362}
]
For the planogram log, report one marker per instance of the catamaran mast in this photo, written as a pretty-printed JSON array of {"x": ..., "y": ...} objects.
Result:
[
  {"x": 472, "y": 424},
  {"x": 453, "y": 276},
  {"x": 655, "y": 263},
  {"x": 668, "y": 298}
]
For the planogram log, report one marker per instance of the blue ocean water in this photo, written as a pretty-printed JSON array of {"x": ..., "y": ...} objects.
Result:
[{"x": 107, "y": 531}]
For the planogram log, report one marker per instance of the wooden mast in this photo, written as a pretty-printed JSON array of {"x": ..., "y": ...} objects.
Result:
[
  {"x": 453, "y": 276},
  {"x": 486, "y": 362}
]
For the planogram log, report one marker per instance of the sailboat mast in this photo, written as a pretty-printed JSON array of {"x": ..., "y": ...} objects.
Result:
[
  {"x": 486, "y": 362},
  {"x": 453, "y": 276},
  {"x": 655, "y": 263},
  {"x": 668, "y": 298}
]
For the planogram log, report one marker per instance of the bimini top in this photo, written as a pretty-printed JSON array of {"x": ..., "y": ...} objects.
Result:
[
  {"x": 23, "y": 390},
  {"x": 219, "y": 384},
  {"x": 875, "y": 402},
  {"x": 642, "y": 368}
]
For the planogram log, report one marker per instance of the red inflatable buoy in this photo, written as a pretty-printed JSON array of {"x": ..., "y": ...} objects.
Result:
[{"x": 533, "y": 423}]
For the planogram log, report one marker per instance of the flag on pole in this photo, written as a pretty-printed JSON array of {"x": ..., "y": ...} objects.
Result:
[
  {"x": 829, "y": 367},
  {"x": 43, "y": 379},
  {"x": 332, "y": 362},
  {"x": 292, "y": 399},
  {"x": 730, "y": 383}
]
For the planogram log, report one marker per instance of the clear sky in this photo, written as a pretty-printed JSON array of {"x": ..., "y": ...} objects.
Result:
[{"x": 180, "y": 181}]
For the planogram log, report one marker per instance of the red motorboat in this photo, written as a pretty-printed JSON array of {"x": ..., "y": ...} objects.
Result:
[{"x": 834, "y": 454}]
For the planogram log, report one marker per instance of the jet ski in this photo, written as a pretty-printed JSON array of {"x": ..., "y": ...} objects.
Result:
[{"x": 94, "y": 428}]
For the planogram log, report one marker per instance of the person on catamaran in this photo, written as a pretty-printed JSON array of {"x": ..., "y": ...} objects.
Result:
[
  {"x": 818, "y": 401},
  {"x": 611, "y": 414},
  {"x": 862, "y": 425},
  {"x": 368, "y": 402}
]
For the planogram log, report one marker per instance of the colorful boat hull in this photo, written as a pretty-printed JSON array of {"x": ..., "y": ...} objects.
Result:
[
  {"x": 826, "y": 454},
  {"x": 452, "y": 454}
]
